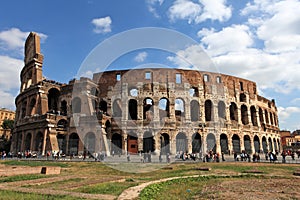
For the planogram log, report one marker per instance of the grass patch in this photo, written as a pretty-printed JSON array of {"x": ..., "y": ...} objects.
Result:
[
  {"x": 12, "y": 195},
  {"x": 55, "y": 185},
  {"x": 183, "y": 188},
  {"x": 113, "y": 188},
  {"x": 22, "y": 178},
  {"x": 31, "y": 163}
]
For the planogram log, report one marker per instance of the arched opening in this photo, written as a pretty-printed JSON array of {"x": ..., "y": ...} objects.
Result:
[
  {"x": 224, "y": 143},
  {"x": 132, "y": 143},
  {"x": 23, "y": 112},
  {"x": 148, "y": 113},
  {"x": 244, "y": 114},
  {"x": 53, "y": 95},
  {"x": 208, "y": 110},
  {"x": 233, "y": 112},
  {"x": 179, "y": 109},
  {"x": 181, "y": 142},
  {"x": 256, "y": 144},
  {"x": 107, "y": 127},
  {"x": 236, "y": 144},
  {"x": 148, "y": 142},
  {"x": 73, "y": 144},
  {"x": 194, "y": 92},
  {"x": 94, "y": 92},
  {"x": 270, "y": 145},
  {"x": 211, "y": 142},
  {"x": 64, "y": 108},
  {"x": 89, "y": 143},
  {"x": 133, "y": 92},
  {"x": 116, "y": 141},
  {"x": 76, "y": 105},
  {"x": 62, "y": 124},
  {"x": 32, "y": 106},
  {"x": 132, "y": 109},
  {"x": 278, "y": 144},
  {"x": 267, "y": 117},
  {"x": 221, "y": 110},
  {"x": 62, "y": 143},
  {"x": 243, "y": 97},
  {"x": 196, "y": 143},
  {"x": 28, "y": 142},
  {"x": 253, "y": 116},
  {"x": 165, "y": 144},
  {"x": 261, "y": 116},
  {"x": 39, "y": 143},
  {"x": 103, "y": 106},
  {"x": 117, "y": 108},
  {"x": 195, "y": 111},
  {"x": 271, "y": 118},
  {"x": 264, "y": 144},
  {"x": 247, "y": 144},
  {"x": 164, "y": 108}
]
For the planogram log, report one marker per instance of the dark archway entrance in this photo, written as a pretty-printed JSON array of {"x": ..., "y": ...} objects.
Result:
[
  {"x": 236, "y": 144},
  {"x": 247, "y": 144},
  {"x": 62, "y": 143},
  {"x": 39, "y": 143},
  {"x": 148, "y": 142},
  {"x": 256, "y": 144},
  {"x": 196, "y": 143},
  {"x": 224, "y": 143},
  {"x": 28, "y": 142},
  {"x": 165, "y": 143},
  {"x": 73, "y": 144},
  {"x": 116, "y": 141},
  {"x": 181, "y": 142},
  {"x": 264, "y": 145},
  {"x": 211, "y": 142},
  {"x": 89, "y": 143}
]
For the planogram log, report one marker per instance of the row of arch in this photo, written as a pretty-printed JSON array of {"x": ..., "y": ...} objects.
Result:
[{"x": 71, "y": 144}]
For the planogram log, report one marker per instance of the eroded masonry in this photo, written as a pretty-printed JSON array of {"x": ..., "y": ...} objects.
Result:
[{"x": 140, "y": 110}]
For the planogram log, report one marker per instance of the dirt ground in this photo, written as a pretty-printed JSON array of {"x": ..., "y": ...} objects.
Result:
[
  {"x": 277, "y": 184},
  {"x": 277, "y": 188}
]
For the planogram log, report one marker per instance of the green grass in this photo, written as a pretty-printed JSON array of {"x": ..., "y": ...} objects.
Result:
[
  {"x": 183, "y": 188},
  {"x": 31, "y": 163},
  {"x": 11, "y": 195},
  {"x": 112, "y": 188},
  {"x": 22, "y": 178}
]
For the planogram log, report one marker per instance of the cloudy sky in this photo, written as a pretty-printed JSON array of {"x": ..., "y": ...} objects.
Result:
[{"x": 258, "y": 40}]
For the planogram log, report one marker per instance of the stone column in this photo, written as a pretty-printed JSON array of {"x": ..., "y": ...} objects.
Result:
[
  {"x": 218, "y": 146},
  {"x": 124, "y": 142},
  {"x": 204, "y": 143},
  {"x": 44, "y": 142},
  {"x": 230, "y": 147}
]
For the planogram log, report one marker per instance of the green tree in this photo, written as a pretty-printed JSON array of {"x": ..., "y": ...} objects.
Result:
[{"x": 8, "y": 124}]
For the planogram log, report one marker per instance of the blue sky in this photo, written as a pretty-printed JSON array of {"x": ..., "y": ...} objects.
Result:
[{"x": 257, "y": 40}]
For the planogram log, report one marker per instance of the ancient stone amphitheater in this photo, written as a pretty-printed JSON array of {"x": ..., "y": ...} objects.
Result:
[{"x": 162, "y": 110}]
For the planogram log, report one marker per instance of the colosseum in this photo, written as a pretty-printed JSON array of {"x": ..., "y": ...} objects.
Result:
[{"x": 162, "y": 110}]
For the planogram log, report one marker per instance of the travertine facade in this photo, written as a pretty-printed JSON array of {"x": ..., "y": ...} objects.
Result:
[{"x": 140, "y": 110}]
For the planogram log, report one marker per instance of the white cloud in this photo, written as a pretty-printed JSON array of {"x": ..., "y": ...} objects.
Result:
[
  {"x": 285, "y": 113},
  {"x": 229, "y": 39},
  {"x": 13, "y": 38},
  {"x": 102, "y": 25},
  {"x": 141, "y": 57},
  {"x": 9, "y": 75},
  {"x": 184, "y": 9},
  {"x": 277, "y": 24},
  {"x": 214, "y": 10},
  {"x": 151, "y": 6},
  {"x": 199, "y": 12}
]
